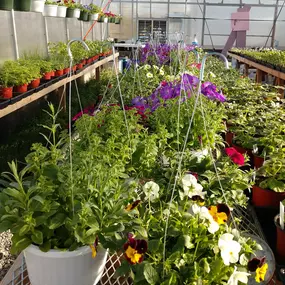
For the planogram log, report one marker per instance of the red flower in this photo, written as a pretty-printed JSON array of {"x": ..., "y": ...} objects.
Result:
[
  {"x": 197, "y": 65},
  {"x": 235, "y": 156}
]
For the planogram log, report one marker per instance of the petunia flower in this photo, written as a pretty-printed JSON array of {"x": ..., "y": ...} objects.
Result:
[
  {"x": 94, "y": 247},
  {"x": 149, "y": 75},
  {"x": 229, "y": 249},
  {"x": 235, "y": 156},
  {"x": 238, "y": 276},
  {"x": 219, "y": 213},
  {"x": 135, "y": 249}
]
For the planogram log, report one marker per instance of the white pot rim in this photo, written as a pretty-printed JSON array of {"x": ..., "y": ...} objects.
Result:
[
  {"x": 62, "y": 7},
  {"x": 49, "y": 5},
  {"x": 56, "y": 253}
]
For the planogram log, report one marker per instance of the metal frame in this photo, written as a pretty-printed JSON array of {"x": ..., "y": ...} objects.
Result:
[{"x": 204, "y": 5}]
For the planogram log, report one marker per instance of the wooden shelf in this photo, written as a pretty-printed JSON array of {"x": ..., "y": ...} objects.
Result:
[{"x": 35, "y": 96}]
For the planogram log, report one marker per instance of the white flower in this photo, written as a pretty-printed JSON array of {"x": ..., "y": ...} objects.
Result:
[
  {"x": 151, "y": 190},
  {"x": 147, "y": 66},
  {"x": 149, "y": 75},
  {"x": 200, "y": 154},
  {"x": 191, "y": 187},
  {"x": 161, "y": 72},
  {"x": 155, "y": 67},
  {"x": 237, "y": 277},
  {"x": 213, "y": 227},
  {"x": 229, "y": 249}
]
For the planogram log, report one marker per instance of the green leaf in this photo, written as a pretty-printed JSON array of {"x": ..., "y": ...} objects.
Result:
[
  {"x": 45, "y": 247},
  {"x": 15, "y": 194},
  {"x": 37, "y": 237},
  {"x": 150, "y": 274},
  {"x": 57, "y": 221},
  {"x": 19, "y": 244},
  {"x": 123, "y": 270},
  {"x": 113, "y": 228},
  {"x": 24, "y": 229},
  {"x": 153, "y": 245},
  {"x": 142, "y": 231},
  {"x": 4, "y": 226},
  {"x": 92, "y": 231},
  {"x": 39, "y": 199}
]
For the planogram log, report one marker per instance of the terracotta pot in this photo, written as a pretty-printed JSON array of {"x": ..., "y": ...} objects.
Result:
[
  {"x": 90, "y": 60},
  {"x": 21, "y": 89},
  {"x": 47, "y": 76},
  {"x": 229, "y": 138},
  {"x": 74, "y": 67},
  {"x": 6, "y": 92},
  {"x": 79, "y": 66},
  {"x": 35, "y": 83},
  {"x": 52, "y": 73},
  {"x": 96, "y": 56},
  {"x": 58, "y": 73},
  {"x": 66, "y": 70},
  {"x": 266, "y": 197},
  {"x": 258, "y": 161},
  {"x": 83, "y": 61},
  {"x": 280, "y": 241}
]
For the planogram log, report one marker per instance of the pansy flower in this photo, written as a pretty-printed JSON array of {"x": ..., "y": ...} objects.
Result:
[
  {"x": 94, "y": 247},
  {"x": 220, "y": 213},
  {"x": 135, "y": 249},
  {"x": 259, "y": 266},
  {"x": 235, "y": 156},
  {"x": 133, "y": 205}
]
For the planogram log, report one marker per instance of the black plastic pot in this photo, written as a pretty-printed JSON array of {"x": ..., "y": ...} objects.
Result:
[
  {"x": 6, "y": 4},
  {"x": 84, "y": 16},
  {"x": 22, "y": 5}
]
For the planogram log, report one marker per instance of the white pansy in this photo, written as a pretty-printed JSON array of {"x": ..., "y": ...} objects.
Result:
[
  {"x": 151, "y": 190},
  {"x": 191, "y": 187},
  {"x": 229, "y": 248},
  {"x": 149, "y": 75},
  {"x": 213, "y": 227},
  {"x": 200, "y": 154},
  {"x": 238, "y": 276}
]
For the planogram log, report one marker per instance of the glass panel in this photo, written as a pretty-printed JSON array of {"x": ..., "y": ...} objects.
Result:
[
  {"x": 159, "y": 31},
  {"x": 159, "y": 10},
  {"x": 144, "y": 10},
  {"x": 144, "y": 30}
]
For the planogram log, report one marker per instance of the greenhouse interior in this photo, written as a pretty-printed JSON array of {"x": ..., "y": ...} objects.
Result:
[{"x": 142, "y": 142}]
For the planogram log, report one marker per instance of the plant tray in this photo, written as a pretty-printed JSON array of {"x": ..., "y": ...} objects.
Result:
[{"x": 4, "y": 103}]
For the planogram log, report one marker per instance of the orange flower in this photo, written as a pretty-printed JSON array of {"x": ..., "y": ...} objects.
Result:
[
  {"x": 133, "y": 205},
  {"x": 135, "y": 249},
  {"x": 94, "y": 247}
]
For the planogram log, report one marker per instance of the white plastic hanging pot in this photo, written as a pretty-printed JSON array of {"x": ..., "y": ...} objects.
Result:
[
  {"x": 94, "y": 17},
  {"x": 50, "y": 11},
  {"x": 106, "y": 20},
  {"x": 76, "y": 13},
  {"x": 57, "y": 267},
  {"x": 61, "y": 11},
  {"x": 38, "y": 6}
]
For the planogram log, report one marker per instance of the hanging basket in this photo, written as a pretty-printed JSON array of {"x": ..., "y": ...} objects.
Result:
[{"x": 65, "y": 267}]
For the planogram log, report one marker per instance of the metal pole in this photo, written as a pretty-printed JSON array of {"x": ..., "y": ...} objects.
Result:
[
  {"x": 274, "y": 24},
  {"x": 14, "y": 35},
  {"x": 204, "y": 23}
]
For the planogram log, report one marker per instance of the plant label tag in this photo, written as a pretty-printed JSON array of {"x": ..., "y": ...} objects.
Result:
[{"x": 282, "y": 215}]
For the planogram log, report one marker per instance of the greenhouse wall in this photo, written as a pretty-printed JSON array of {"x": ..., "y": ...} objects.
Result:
[{"x": 33, "y": 32}]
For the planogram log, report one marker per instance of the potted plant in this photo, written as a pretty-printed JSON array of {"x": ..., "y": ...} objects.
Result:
[
  {"x": 269, "y": 188},
  {"x": 50, "y": 9},
  {"x": 73, "y": 9},
  {"x": 101, "y": 17},
  {"x": 22, "y": 5},
  {"x": 84, "y": 13},
  {"x": 118, "y": 19},
  {"x": 46, "y": 69},
  {"x": 61, "y": 9},
  {"x": 38, "y": 6},
  {"x": 67, "y": 225},
  {"x": 57, "y": 65},
  {"x": 94, "y": 12},
  {"x": 6, "y": 4}
]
